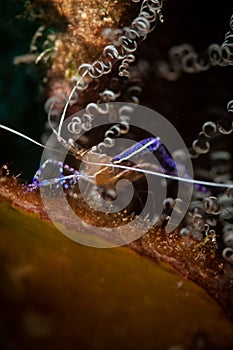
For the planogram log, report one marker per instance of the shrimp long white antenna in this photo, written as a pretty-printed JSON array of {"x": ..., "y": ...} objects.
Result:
[
  {"x": 163, "y": 175},
  {"x": 59, "y": 138},
  {"x": 7, "y": 128},
  {"x": 58, "y": 133},
  {"x": 124, "y": 167}
]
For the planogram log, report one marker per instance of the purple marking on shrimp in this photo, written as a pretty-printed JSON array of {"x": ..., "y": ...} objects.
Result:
[{"x": 149, "y": 144}]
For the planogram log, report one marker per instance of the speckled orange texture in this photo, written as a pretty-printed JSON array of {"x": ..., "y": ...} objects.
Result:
[
  {"x": 198, "y": 261},
  {"x": 80, "y": 24},
  {"x": 57, "y": 294}
]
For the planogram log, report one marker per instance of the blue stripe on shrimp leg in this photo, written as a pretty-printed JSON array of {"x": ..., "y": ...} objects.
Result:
[
  {"x": 61, "y": 180},
  {"x": 105, "y": 177},
  {"x": 170, "y": 167},
  {"x": 149, "y": 144},
  {"x": 165, "y": 159},
  {"x": 153, "y": 145}
]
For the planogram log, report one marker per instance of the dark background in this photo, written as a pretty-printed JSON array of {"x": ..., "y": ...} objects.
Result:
[
  {"x": 187, "y": 103},
  {"x": 21, "y": 91},
  {"x": 194, "y": 98}
]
